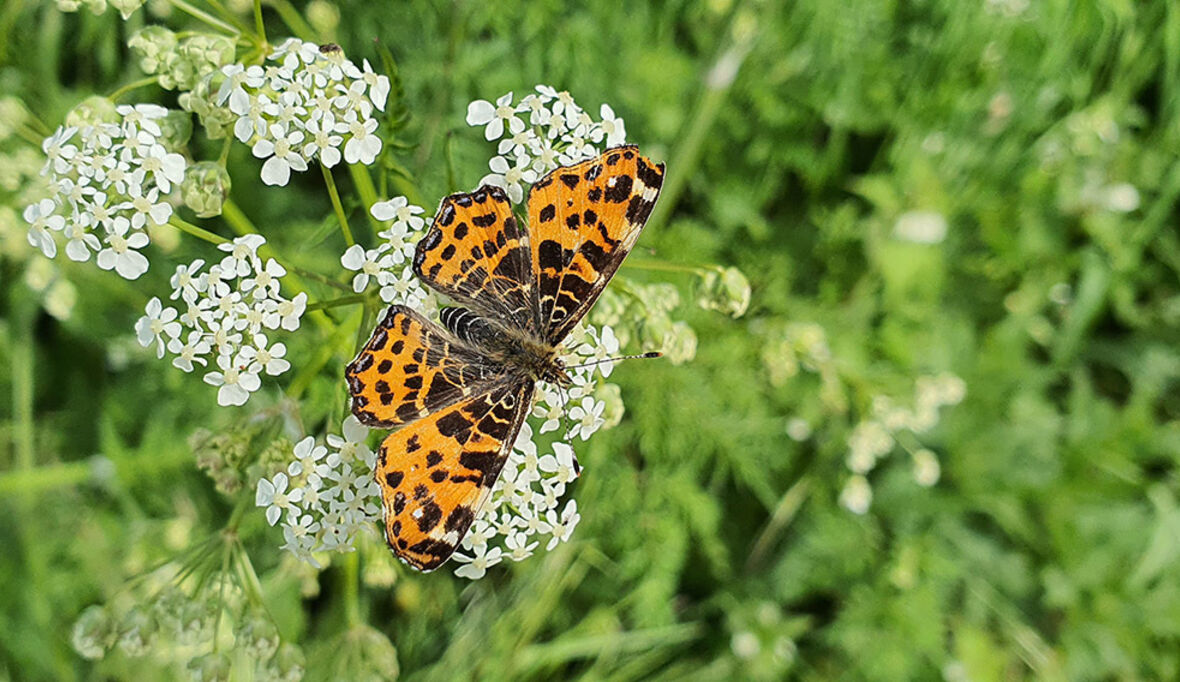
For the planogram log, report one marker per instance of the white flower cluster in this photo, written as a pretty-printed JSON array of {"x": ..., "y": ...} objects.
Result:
[
  {"x": 325, "y": 497},
  {"x": 891, "y": 425},
  {"x": 309, "y": 103},
  {"x": 546, "y": 129},
  {"x": 225, "y": 312},
  {"x": 388, "y": 265},
  {"x": 329, "y": 494},
  {"x": 108, "y": 181}
]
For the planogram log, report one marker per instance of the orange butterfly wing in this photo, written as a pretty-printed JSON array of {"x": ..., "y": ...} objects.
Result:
[
  {"x": 437, "y": 472},
  {"x": 410, "y": 368},
  {"x": 583, "y": 221},
  {"x": 476, "y": 253}
]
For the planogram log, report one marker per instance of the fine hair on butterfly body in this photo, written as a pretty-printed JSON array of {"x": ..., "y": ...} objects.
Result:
[{"x": 461, "y": 391}]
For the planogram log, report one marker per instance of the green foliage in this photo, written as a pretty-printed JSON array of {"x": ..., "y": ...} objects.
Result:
[{"x": 813, "y": 146}]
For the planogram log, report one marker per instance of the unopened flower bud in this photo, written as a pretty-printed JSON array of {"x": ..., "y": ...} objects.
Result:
[
  {"x": 198, "y": 56},
  {"x": 94, "y": 633},
  {"x": 612, "y": 398},
  {"x": 205, "y": 188},
  {"x": 218, "y": 120},
  {"x": 680, "y": 345},
  {"x": 92, "y": 111},
  {"x": 726, "y": 291},
  {"x": 155, "y": 46}
]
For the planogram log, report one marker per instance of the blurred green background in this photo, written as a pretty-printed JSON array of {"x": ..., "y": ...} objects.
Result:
[{"x": 931, "y": 188}]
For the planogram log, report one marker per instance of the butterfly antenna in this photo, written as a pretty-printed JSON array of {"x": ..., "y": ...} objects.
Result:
[{"x": 640, "y": 356}]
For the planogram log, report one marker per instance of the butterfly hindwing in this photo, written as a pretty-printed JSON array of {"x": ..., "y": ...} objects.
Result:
[
  {"x": 437, "y": 472},
  {"x": 411, "y": 367},
  {"x": 583, "y": 221},
  {"x": 476, "y": 253}
]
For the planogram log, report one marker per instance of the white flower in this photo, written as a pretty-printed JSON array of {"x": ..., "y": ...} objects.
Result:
[
  {"x": 157, "y": 321},
  {"x": 475, "y": 567},
  {"x": 352, "y": 445},
  {"x": 562, "y": 464},
  {"x": 260, "y": 358},
  {"x": 166, "y": 167},
  {"x": 510, "y": 178},
  {"x": 405, "y": 289},
  {"x": 587, "y": 417},
  {"x": 235, "y": 381},
  {"x": 612, "y": 128},
  {"x": 363, "y": 146},
  {"x": 243, "y": 254},
  {"x": 290, "y": 312},
  {"x": 369, "y": 263},
  {"x": 378, "y": 86},
  {"x": 274, "y": 496},
  {"x": 283, "y": 150},
  {"x": 324, "y": 141},
  {"x": 481, "y": 112},
  {"x": 309, "y": 458},
  {"x": 41, "y": 219},
  {"x": 519, "y": 546},
  {"x": 189, "y": 352},
  {"x": 399, "y": 210},
  {"x": 564, "y": 527},
  {"x": 120, "y": 253}
]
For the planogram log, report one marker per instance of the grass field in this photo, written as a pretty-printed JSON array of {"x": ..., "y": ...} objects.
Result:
[{"x": 915, "y": 268}]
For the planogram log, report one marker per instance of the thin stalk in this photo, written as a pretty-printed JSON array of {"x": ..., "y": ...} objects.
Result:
[
  {"x": 229, "y": 16},
  {"x": 663, "y": 267},
  {"x": 242, "y": 225},
  {"x": 337, "y": 302},
  {"x": 294, "y": 20},
  {"x": 352, "y": 600},
  {"x": 200, "y": 233},
  {"x": 368, "y": 193},
  {"x": 223, "y": 158},
  {"x": 131, "y": 86},
  {"x": 259, "y": 27},
  {"x": 205, "y": 16},
  {"x": 336, "y": 205}
]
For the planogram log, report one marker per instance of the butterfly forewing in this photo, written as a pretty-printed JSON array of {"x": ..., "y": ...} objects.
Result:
[
  {"x": 583, "y": 221},
  {"x": 476, "y": 253}
]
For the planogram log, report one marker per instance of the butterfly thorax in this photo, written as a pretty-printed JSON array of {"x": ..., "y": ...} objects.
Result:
[{"x": 507, "y": 347}]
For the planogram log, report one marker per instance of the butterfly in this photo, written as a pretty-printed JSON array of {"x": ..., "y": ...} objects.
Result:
[{"x": 460, "y": 391}]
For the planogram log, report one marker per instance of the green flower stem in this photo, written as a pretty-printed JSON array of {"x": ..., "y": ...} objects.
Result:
[
  {"x": 195, "y": 231},
  {"x": 223, "y": 157},
  {"x": 336, "y": 205},
  {"x": 134, "y": 85},
  {"x": 259, "y": 26},
  {"x": 352, "y": 600},
  {"x": 368, "y": 193},
  {"x": 205, "y": 17},
  {"x": 318, "y": 277},
  {"x": 337, "y": 302},
  {"x": 665, "y": 267},
  {"x": 294, "y": 20},
  {"x": 232, "y": 18},
  {"x": 784, "y": 512},
  {"x": 242, "y": 225}
]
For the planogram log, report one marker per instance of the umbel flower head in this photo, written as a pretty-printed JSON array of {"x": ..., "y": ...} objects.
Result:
[
  {"x": 225, "y": 313},
  {"x": 307, "y": 103},
  {"x": 108, "y": 182}
]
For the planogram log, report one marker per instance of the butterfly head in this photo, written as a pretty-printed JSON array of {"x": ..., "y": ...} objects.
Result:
[{"x": 555, "y": 373}]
